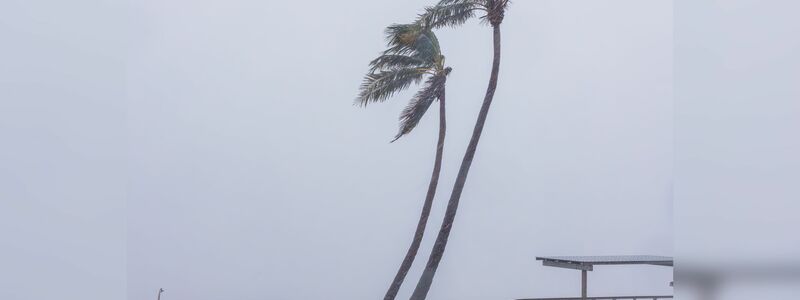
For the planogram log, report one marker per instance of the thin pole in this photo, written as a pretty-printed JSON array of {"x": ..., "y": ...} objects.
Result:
[
  {"x": 160, "y": 290},
  {"x": 583, "y": 284}
]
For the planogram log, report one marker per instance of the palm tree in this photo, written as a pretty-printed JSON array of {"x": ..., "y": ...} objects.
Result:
[
  {"x": 413, "y": 54},
  {"x": 451, "y": 13}
]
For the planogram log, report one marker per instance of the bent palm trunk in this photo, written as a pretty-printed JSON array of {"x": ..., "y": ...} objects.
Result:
[
  {"x": 426, "y": 207},
  {"x": 425, "y": 281}
]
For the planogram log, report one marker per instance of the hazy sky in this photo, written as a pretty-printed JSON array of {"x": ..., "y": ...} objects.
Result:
[
  {"x": 737, "y": 120},
  {"x": 238, "y": 168},
  {"x": 252, "y": 176},
  {"x": 211, "y": 148}
]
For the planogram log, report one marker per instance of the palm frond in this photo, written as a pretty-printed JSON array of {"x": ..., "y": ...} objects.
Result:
[
  {"x": 447, "y": 2},
  {"x": 426, "y": 47},
  {"x": 409, "y": 39},
  {"x": 377, "y": 87},
  {"x": 394, "y": 61},
  {"x": 448, "y": 13},
  {"x": 402, "y": 34},
  {"x": 419, "y": 104}
]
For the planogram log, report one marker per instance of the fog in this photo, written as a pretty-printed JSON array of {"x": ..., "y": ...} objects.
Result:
[
  {"x": 737, "y": 117},
  {"x": 253, "y": 176},
  {"x": 211, "y": 148}
]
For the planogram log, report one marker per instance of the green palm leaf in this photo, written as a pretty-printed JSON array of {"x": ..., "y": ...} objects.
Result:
[
  {"x": 450, "y": 14},
  {"x": 377, "y": 87},
  {"x": 423, "y": 45},
  {"x": 395, "y": 61},
  {"x": 419, "y": 104}
]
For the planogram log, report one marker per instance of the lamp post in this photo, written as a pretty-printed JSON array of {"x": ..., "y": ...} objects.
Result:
[{"x": 160, "y": 290}]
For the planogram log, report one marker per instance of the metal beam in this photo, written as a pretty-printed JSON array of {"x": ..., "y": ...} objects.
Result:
[{"x": 558, "y": 264}]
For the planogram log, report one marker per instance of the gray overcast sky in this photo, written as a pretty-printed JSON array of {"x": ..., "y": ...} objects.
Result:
[
  {"x": 247, "y": 173},
  {"x": 211, "y": 148},
  {"x": 253, "y": 177}
]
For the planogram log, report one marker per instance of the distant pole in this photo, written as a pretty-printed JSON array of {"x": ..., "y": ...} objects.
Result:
[
  {"x": 583, "y": 284},
  {"x": 160, "y": 290}
]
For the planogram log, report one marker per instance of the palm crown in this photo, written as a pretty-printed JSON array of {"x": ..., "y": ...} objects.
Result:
[{"x": 413, "y": 55}]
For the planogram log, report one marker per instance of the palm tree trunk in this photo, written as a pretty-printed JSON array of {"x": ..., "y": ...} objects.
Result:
[
  {"x": 425, "y": 281},
  {"x": 426, "y": 207}
]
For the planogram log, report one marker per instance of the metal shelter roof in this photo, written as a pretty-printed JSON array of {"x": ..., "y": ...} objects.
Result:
[{"x": 587, "y": 262}]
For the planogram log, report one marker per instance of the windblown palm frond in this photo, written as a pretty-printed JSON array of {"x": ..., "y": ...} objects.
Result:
[
  {"x": 377, "y": 87},
  {"x": 452, "y": 13},
  {"x": 394, "y": 61},
  {"x": 413, "y": 42},
  {"x": 449, "y": 13},
  {"x": 402, "y": 34},
  {"x": 419, "y": 104},
  {"x": 413, "y": 54},
  {"x": 427, "y": 45}
]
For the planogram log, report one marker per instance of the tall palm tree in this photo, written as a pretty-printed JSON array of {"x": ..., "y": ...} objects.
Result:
[
  {"x": 413, "y": 54},
  {"x": 451, "y": 13}
]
